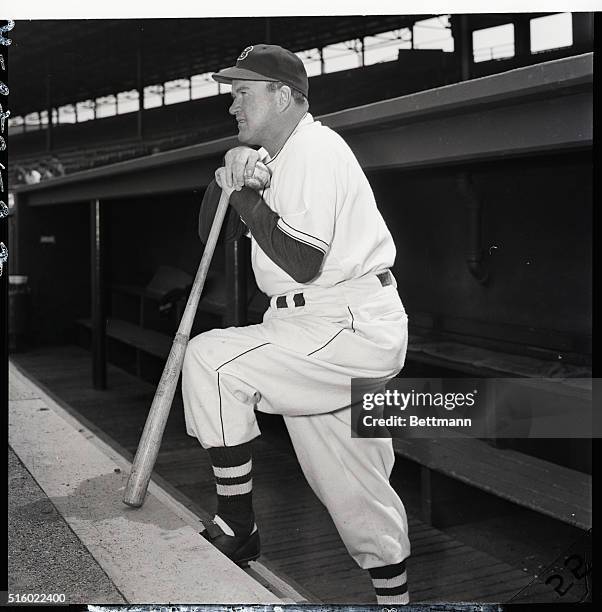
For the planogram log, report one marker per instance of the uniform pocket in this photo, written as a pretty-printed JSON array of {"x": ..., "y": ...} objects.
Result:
[{"x": 384, "y": 306}]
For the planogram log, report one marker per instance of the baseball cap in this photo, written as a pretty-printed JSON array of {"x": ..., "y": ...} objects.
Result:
[{"x": 267, "y": 63}]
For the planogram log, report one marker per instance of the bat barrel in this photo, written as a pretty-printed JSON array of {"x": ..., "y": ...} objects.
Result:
[{"x": 148, "y": 447}]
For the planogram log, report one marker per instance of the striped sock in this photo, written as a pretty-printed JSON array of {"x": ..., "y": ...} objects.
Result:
[
  {"x": 232, "y": 470},
  {"x": 390, "y": 584}
]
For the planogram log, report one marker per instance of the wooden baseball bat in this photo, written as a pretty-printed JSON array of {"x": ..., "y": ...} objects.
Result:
[{"x": 148, "y": 447}]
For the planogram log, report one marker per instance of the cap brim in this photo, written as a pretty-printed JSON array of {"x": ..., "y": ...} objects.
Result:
[{"x": 227, "y": 75}]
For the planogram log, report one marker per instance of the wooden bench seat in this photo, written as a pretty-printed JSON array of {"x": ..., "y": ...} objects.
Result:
[
  {"x": 534, "y": 483},
  {"x": 551, "y": 489},
  {"x": 146, "y": 340},
  {"x": 482, "y": 362},
  {"x": 165, "y": 281}
]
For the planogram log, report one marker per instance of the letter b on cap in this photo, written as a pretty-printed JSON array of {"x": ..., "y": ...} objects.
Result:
[{"x": 245, "y": 52}]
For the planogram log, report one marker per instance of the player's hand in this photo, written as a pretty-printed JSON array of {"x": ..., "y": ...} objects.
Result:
[
  {"x": 220, "y": 179},
  {"x": 239, "y": 165}
]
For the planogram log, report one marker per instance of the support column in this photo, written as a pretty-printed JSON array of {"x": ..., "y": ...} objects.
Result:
[
  {"x": 49, "y": 139},
  {"x": 522, "y": 37},
  {"x": 140, "y": 88},
  {"x": 474, "y": 215},
  {"x": 236, "y": 282},
  {"x": 583, "y": 31},
  {"x": 98, "y": 319},
  {"x": 13, "y": 236},
  {"x": 462, "y": 35}
]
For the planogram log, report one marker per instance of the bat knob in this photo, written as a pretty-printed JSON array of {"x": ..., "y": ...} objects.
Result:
[{"x": 261, "y": 177}]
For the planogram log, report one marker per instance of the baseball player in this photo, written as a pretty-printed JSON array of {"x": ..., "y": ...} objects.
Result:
[{"x": 322, "y": 252}]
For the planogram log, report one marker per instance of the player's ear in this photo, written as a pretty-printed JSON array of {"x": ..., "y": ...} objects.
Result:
[{"x": 285, "y": 97}]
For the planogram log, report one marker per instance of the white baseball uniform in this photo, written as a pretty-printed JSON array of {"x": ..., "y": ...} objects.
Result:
[{"x": 346, "y": 322}]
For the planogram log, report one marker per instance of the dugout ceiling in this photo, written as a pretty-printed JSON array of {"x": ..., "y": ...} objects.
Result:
[{"x": 56, "y": 62}]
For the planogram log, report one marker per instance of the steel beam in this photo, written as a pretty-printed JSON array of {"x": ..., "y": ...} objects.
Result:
[{"x": 543, "y": 126}]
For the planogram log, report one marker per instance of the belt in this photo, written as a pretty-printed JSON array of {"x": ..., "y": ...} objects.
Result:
[
  {"x": 385, "y": 278},
  {"x": 299, "y": 298}
]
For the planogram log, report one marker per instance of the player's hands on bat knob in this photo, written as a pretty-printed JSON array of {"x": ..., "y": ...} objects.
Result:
[
  {"x": 239, "y": 164},
  {"x": 259, "y": 179}
]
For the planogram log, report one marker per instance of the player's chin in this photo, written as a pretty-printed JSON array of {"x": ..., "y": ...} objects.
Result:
[{"x": 244, "y": 134}]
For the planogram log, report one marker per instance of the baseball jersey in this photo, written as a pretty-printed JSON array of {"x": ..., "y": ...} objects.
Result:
[{"x": 323, "y": 199}]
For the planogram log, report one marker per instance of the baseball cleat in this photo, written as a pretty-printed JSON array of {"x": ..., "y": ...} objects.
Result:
[{"x": 240, "y": 549}]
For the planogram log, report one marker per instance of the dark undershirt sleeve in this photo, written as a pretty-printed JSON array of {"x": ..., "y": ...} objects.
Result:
[
  {"x": 233, "y": 227},
  {"x": 300, "y": 261}
]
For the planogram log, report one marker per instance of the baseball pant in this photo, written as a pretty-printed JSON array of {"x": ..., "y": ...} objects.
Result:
[{"x": 299, "y": 363}]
